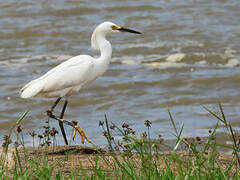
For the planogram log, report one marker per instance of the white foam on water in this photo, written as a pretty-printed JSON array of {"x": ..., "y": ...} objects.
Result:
[
  {"x": 230, "y": 52},
  {"x": 136, "y": 59},
  {"x": 232, "y": 63},
  {"x": 17, "y": 63},
  {"x": 202, "y": 54},
  {"x": 175, "y": 57},
  {"x": 129, "y": 62},
  {"x": 189, "y": 43},
  {"x": 165, "y": 65},
  {"x": 203, "y": 62}
]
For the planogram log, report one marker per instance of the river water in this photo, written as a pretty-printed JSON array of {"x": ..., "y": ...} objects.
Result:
[{"x": 188, "y": 56}]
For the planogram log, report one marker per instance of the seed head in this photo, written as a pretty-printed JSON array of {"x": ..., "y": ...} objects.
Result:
[
  {"x": 148, "y": 123},
  {"x": 46, "y": 127},
  {"x": 48, "y": 142},
  {"x": 101, "y": 123},
  {"x": 112, "y": 127},
  {"x": 53, "y": 132},
  {"x": 16, "y": 144},
  {"x": 198, "y": 138},
  {"x": 19, "y": 128},
  {"x": 32, "y": 133},
  {"x": 40, "y": 136},
  {"x": 46, "y": 133},
  {"x": 6, "y": 141},
  {"x": 125, "y": 125},
  {"x": 105, "y": 133}
]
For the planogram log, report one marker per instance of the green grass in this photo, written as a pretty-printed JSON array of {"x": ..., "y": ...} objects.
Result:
[{"x": 136, "y": 156}]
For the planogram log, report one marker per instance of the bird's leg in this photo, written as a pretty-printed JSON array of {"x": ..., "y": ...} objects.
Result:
[
  {"x": 56, "y": 103},
  {"x": 51, "y": 115},
  {"x": 61, "y": 123},
  {"x": 49, "y": 112}
]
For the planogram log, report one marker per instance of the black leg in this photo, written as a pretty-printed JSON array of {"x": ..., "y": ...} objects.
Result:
[
  {"x": 50, "y": 114},
  {"x": 61, "y": 123},
  {"x": 55, "y": 104},
  {"x": 63, "y": 109},
  {"x": 50, "y": 111}
]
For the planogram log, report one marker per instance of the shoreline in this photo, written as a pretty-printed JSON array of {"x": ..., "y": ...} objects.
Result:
[{"x": 79, "y": 157}]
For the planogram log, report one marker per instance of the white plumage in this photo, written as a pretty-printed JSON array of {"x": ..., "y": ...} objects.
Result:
[{"x": 63, "y": 80}]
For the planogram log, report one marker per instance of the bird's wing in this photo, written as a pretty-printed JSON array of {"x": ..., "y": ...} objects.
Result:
[
  {"x": 76, "y": 71},
  {"x": 70, "y": 62}
]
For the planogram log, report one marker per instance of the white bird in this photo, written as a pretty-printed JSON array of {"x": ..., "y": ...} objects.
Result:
[{"x": 75, "y": 73}]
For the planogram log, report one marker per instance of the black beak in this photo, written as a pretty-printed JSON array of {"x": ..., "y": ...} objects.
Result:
[{"x": 128, "y": 30}]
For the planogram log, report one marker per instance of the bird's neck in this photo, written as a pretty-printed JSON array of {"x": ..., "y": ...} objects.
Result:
[{"x": 105, "y": 49}]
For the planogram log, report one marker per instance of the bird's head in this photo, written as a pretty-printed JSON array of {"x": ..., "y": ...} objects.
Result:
[{"x": 108, "y": 27}]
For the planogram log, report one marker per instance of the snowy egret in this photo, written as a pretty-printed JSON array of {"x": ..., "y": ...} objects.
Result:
[{"x": 74, "y": 74}]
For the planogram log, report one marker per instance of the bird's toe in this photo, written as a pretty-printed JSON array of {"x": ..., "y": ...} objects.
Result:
[{"x": 81, "y": 133}]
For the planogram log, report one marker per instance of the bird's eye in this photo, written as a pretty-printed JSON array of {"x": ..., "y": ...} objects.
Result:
[{"x": 115, "y": 27}]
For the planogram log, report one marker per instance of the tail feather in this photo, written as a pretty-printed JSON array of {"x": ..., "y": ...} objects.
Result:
[{"x": 31, "y": 89}]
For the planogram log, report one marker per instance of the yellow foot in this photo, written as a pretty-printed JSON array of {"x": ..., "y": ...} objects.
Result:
[{"x": 82, "y": 134}]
